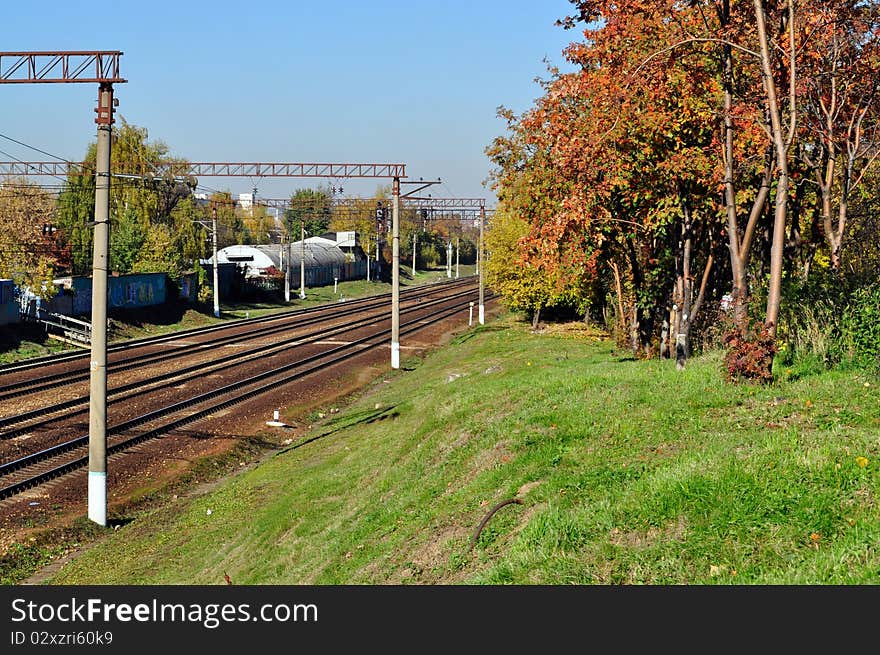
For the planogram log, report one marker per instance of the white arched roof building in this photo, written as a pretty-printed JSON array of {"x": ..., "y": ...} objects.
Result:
[{"x": 316, "y": 251}]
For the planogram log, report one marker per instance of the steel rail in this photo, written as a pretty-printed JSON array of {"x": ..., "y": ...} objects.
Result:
[
  {"x": 193, "y": 371},
  {"x": 53, "y": 380},
  {"x": 48, "y": 360},
  {"x": 9, "y": 467},
  {"x": 342, "y": 355}
]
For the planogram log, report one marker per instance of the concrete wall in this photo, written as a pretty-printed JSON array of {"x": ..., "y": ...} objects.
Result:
[
  {"x": 189, "y": 287},
  {"x": 124, "y": 291},
  {"x": 9, "y": 307}
]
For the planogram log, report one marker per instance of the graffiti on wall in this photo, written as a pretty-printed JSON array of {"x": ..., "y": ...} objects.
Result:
[
  {"x": 136, "y": 293},
  {"x": 140, "y": 290}
]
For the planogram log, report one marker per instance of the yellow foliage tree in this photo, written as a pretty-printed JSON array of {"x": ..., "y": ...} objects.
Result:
[{"x": 25, "y": 252}]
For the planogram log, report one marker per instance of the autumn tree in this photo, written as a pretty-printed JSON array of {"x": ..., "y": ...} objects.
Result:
[
  {"x": 26, "y": 254},
  {"x": 629, "y": 138},
  {"x": 691, "y": 129},
  {"x": 562, "y": 263},
  {"x": 258, "y": 224},
  {"x": 840, "y": 130}
]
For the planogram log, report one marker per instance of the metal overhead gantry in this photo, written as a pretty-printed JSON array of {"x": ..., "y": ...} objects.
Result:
[
  {"x": 234, "y": 169},
  {"x": 102, "y": 68},
  {"x": 462, "y": 205},
  {"x": 211, "y": 169},
  {"x": 96, "y": 66},
  {"x": 396, "y": 198}
]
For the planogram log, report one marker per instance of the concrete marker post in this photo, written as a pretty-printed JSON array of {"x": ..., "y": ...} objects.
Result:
[
  {"x": 216, "y": 263},
  {"x": 482, "y": 311},
  {"x": 395, "y": 273}
]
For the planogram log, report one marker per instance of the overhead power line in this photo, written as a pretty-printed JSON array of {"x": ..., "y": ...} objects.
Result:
[{"x": 42, "y": 152}]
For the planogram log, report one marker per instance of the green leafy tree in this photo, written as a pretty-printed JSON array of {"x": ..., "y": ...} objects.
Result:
[
  {"x": 190, "y": 236},
  {"x": 142, "y": 194},
  {"x": 309, "y": 208},
  {"x": 522, "y": 287},
  {"x": 159, "y": 253},
  {"x": 126, "y": 240}
]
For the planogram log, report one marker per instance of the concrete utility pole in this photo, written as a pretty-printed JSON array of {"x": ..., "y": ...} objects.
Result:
[
  {"x": 449, "y": 258},
  {"x": 395, "y": 264},
  {"x": 101, "y": 67},
  {"x": 302, "y": 258},
  {"x": 285, "y": 266},
  {"x": 286, "y": 270},
  {"x": 415, "y": 249},
  {"x": 367, "y": 256},
  {"x": 481, "y": 310},
  {"x": 97, "y": 487},
  {"x": 215, "y": 262},
  {"x": 456, "y": 258},
  {"x": 395, "y": 273}
]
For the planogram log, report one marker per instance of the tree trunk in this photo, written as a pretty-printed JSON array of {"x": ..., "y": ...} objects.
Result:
[
  {"x": 774, "y": 292},
  {"x": 637, "y": 327},
  {"x": 664, "y": 339},
  {"x": 739, "y": 245},
  {"x": 681, "y": 335},
  {"x": 621, "y": 313},
  {"x": 739, "y": 289}
]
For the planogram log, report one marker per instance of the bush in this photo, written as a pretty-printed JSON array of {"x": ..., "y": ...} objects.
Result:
[
  {"x": 858, "y": 339},
  {"x": 749, "y": 356}
]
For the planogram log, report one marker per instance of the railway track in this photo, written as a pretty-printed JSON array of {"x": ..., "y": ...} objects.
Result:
[
  {"x": 29, "y": 421},
  {"x": 47, "y": 464},
  {"x": 253, "y": 327}
]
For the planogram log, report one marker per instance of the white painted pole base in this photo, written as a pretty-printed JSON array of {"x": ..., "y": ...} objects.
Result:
[
  {"x": 482, "y": 314},
  {"x": 98, "y": 497},
  {"x": 395, "y": 355},
  {"x": 471, "y": 314}
]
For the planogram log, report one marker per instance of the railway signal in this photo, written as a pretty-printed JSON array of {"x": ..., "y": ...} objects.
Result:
[
  {"x": 464, "y": 206},
  {"x": 396, "y": 199}
]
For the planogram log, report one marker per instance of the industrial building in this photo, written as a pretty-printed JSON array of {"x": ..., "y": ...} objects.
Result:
[{"x": 333, "y": 255}]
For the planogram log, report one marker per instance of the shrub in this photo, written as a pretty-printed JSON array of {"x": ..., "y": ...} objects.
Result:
[
  {"x": 858, "y": 341},
  {"x": 749, "y": 356}
]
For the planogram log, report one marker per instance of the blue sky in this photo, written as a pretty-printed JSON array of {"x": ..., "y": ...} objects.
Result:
[{"x": 374, "y": 82}]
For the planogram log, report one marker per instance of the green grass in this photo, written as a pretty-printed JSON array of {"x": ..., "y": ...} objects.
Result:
[
  {"x": 629, "y": 473},
  {"x": 23, "y": 341}
]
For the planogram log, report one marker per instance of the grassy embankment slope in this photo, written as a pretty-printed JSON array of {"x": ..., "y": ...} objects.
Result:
[{"x": 627, "y": 472}]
